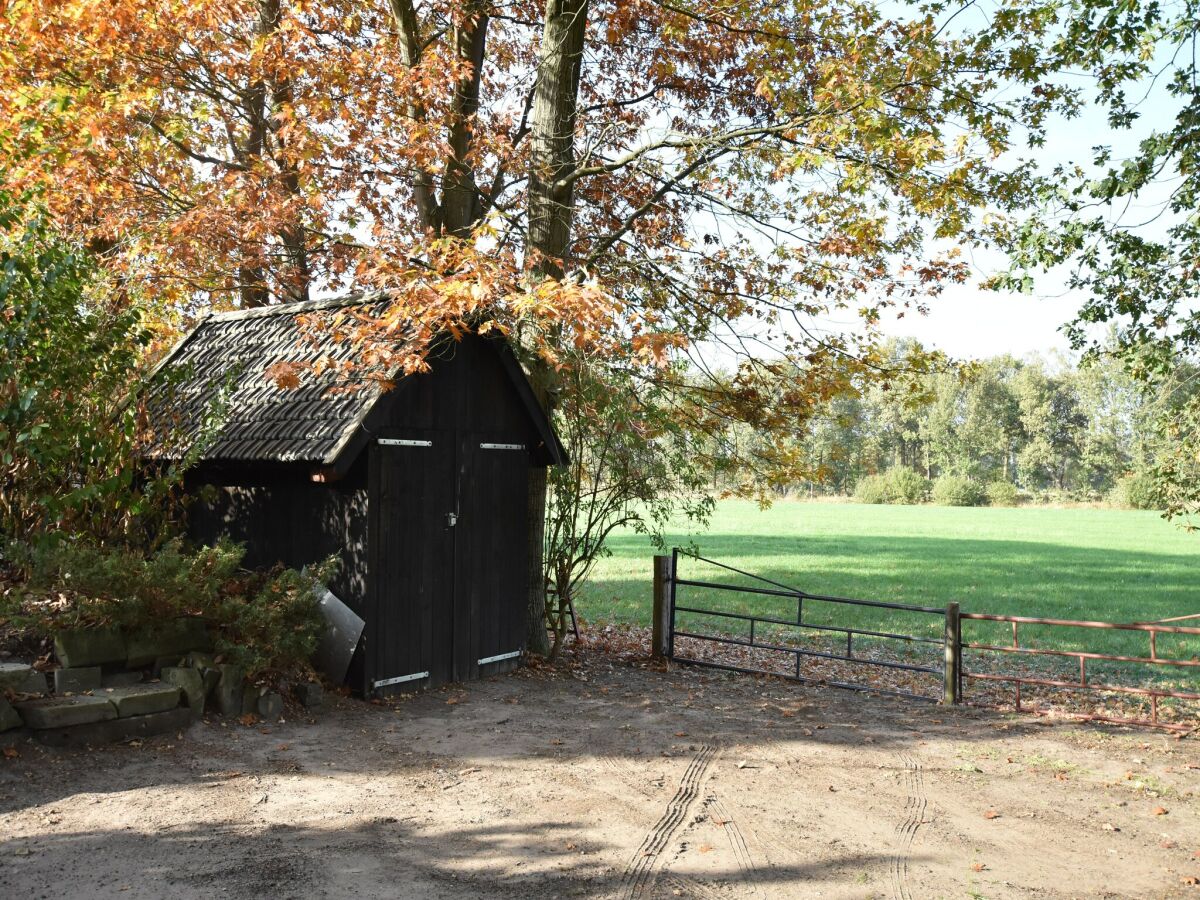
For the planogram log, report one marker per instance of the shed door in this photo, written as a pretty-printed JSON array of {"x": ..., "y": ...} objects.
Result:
[
  {"x": 414, "y": 560},
  {"x": 492, "y": 550}
]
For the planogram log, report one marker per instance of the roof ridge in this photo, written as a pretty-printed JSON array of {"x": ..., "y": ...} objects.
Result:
[{"x": 300, "y": 306}]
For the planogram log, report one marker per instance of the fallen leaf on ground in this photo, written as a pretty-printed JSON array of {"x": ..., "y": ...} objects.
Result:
[
  {"x": 991, "y": 814},
  {"x": 1159, "y": 811},
  {"x": 11, "y": 753},
  {"x": 705, "y": 848},
  {"x": 248, "y": 719},
  {"x": 977, "y": 867},
  {"x": 1190, "y": 879}
]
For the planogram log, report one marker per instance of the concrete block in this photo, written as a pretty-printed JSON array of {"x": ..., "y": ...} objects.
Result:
[
  {"x": 175, "y": 637},
  {"x": 228, "y": 693},
  {"x": 190, "y": 682},
  {"x": 9, "y": 717},
  {"x": 310, "y": 694},
  {"x": 142, "y": 699},
  {"x": 82, "y": 647},
  {"x": 14, "y": 674},
  {"x": 270, "y": 705},
  {"x": 76, "y": 681},
  {"x": 120, "y": 679},
  {"x": 62, "y": 712},
  {"x": 114, "y": 730}
]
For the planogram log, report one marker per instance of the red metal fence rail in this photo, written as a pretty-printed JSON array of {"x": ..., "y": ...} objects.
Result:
[{"x": 1152, "y": 629}]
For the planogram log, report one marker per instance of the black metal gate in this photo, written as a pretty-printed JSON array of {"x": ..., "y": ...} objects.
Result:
[{"x": 753, "y": 625}]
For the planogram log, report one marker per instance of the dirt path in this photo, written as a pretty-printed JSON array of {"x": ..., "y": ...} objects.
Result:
[{"x": 629, "y": 784}]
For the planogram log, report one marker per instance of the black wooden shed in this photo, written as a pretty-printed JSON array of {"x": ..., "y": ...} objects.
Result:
[{"x": 421, "y": 489}]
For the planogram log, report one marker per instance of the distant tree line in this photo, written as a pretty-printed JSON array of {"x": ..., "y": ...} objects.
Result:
[{"x": 999, "y": 430}]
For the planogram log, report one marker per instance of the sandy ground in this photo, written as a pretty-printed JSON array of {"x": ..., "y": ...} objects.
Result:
[{"x": 613, "y": 781}]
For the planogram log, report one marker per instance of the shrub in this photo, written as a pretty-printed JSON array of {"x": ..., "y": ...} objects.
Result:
[
  {"x": 264, "y": 621},
  {"x": 73, "y": 354},
  {"x": 905, "y": 485},
  {"x": 1003, "y": 493},
  {"x": 954, "y": 490},
  {"x": 873, "y": 489},
  {"x": 1136, "y": 491}
]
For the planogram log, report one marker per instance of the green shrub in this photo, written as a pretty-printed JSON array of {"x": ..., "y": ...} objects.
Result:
[
  {"x": 1003, "y": 493},
  {"x": 1136, "y": 491},
  {"x": 263, "y": 621},
  {"x": 905, "y": 485},
  {"x": 873, "y": 489},
  {"x": 955, "y": 490}
]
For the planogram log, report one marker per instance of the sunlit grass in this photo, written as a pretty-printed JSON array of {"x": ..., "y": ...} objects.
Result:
[{"x": 1111, "y": 565}]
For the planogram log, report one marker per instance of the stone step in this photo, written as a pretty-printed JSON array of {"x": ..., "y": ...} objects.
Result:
[
  {"x": 113, "y": 730},
  {"x": 63, "y": 712},
  {"x": 9, "y": 717},
  {"x": 141, "y": 699}
]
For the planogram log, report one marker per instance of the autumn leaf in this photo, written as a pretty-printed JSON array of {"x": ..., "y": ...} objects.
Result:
[
  {"x": 11, "y": 753},
  {"x": 1159, "y": 811},
  {"x": 248, "y": 719},
  {"x": 977, "y": 867},
  {"x": 991, "y": 814}
]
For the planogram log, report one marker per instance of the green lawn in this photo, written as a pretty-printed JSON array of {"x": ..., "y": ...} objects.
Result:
[{"x": 1064, "y": 563}]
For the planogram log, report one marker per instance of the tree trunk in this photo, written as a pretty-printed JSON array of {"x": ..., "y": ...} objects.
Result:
[
  {"x": 551, "y": 211},
  {"x": 460, "y": 196}
]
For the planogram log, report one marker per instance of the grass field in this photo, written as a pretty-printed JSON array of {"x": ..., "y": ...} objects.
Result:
[{"x": 1111, "y": 565}]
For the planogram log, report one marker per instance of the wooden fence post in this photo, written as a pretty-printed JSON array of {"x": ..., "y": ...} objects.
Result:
[
  {"x": 660, "y": 623},
  {"x": 953, "y": 667}
]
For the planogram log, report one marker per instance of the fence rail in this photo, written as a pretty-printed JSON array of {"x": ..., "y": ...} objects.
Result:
[
  {"x": 1152, "y": 629},
  {"x": 953, "y": 672},
  {"x": 667, "y": 596}
]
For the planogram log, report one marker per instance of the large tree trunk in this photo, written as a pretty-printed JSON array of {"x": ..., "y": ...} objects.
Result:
[
  {"x": 460, "y": 196},
  {"x": 551, "y": 210}
]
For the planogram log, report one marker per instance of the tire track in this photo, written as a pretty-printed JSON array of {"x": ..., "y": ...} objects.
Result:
[
  {"x": 639, "y": 875},
  {"x": 914, "y": 816},
  {"x": 737, "y": 841}
]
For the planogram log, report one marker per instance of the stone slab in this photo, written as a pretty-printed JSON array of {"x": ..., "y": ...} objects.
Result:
[
  {"x": 191, "y": 682},
  {"x": 9, "y": 717},
  {"x": 63, "y": 712},
  {"x": 89, "y": 647},
  {"x": 114, "y": 730},
  {"x": 76, "y": 681},
  {"x": 175, "y": 637},
  {"x": 142, "y": 699}
]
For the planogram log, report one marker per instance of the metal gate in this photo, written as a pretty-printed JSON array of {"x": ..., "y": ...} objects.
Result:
[{"x": 754, "y": 624}]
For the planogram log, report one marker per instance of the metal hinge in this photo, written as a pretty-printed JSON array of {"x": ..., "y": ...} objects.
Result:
[
  {"x": 502, "y": 656},
  {"x": 501, "y": 446},
  {"x": 403, "y": 442},
  {"x": 399, "y": 679}
]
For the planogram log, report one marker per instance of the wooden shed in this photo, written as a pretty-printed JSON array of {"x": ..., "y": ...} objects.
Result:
[{"x": 421, "y": 489}]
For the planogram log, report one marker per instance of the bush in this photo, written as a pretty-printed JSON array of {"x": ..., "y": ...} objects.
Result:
[
  {"x": 955, "y": 490},
  {"x": 1003, "y": 493},
  {"x": 1136, "y": 491},
  {"x": 71, "y": 371},
  {"x": 873, "y": 489},
  {"x": 264, "y": 622},
  {"x": 905, "y": 485}
]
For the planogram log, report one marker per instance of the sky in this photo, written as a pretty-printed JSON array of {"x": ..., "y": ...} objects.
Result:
[{"x": 966, "y": 322}]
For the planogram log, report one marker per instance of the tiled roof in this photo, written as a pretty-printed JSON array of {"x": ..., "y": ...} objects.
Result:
[{"x": 217, "y": 377}]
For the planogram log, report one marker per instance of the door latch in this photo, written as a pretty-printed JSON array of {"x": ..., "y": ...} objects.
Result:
[{"x": 451, "y": 519}]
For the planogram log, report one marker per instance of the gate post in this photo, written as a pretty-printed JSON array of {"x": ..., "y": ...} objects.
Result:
[
  {"x": 951, "y": 692},
  {"x": 660, "y": 619}
]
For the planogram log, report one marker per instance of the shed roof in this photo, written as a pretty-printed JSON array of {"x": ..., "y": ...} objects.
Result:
[{"x": 216, "y": 384}]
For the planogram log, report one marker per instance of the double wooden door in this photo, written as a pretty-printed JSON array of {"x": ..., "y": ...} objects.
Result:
[{"x": 450, "y": 554}]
